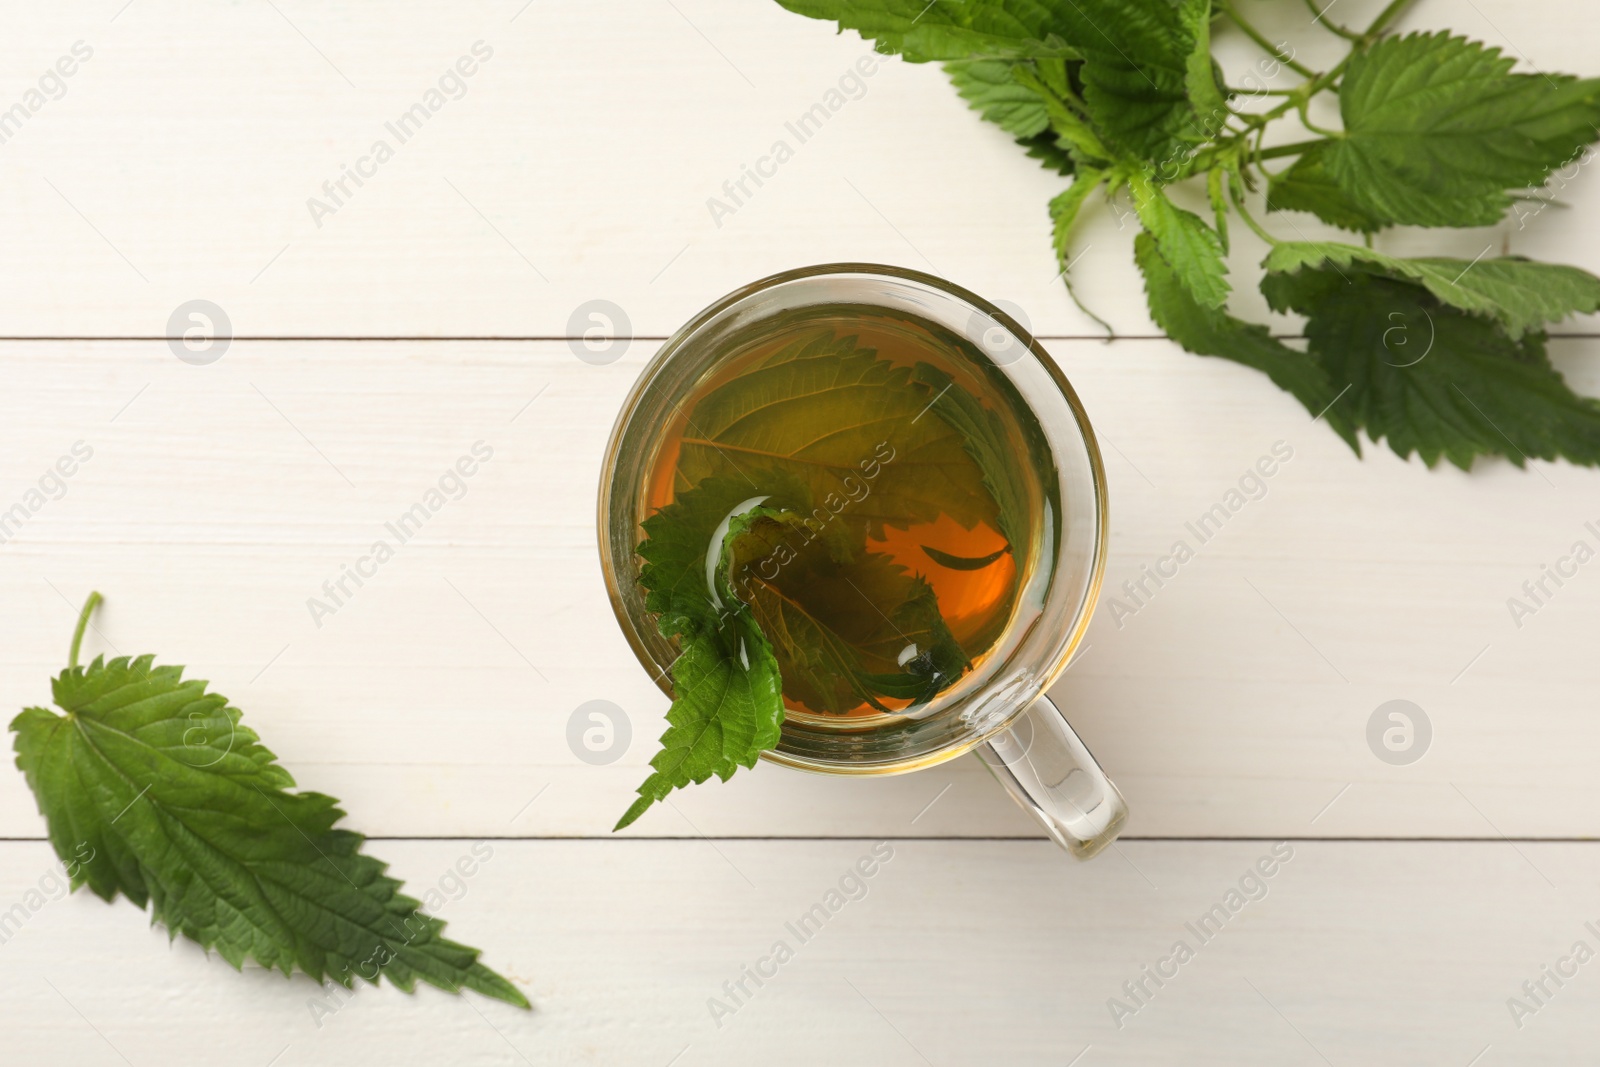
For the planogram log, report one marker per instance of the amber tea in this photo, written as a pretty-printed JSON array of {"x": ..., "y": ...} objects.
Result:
[
  {"x": 858, "y": 516},
  {"x": 863, "y": 487}
]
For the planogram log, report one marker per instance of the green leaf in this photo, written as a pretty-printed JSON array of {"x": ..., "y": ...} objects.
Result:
[
  {"x": 176, "y": 803},
  {"x": 1136, "y": 52},
  {"x": 846, "y": 630},
  {"x": 727, "y": 705},
  {"x": 1437, "y": 128},
  {"x": 761, "y": 429},
  {"x": 1064, "y": 209},
  {"x": 727, "y": 709},
  {"x": 1073, "y": 133},
  {"x": 1308, "y": 187},
  {"x": 923, "y": 32},
  {"x": 1135, "y": 72},
  {"x": 677, "y": 538},
  {"x": 1435, "y": 380},
  {"x": 1208, "y": 331},
  {"x": 1200, "y": 77},
  {"x": 1190, "y": 247},
  {"x": 1520, "y": 294},
  {"x": 1219, "y": 204},
  {"x": 997, "y": 456},
  {"x": 988, "y": 87},
  {"x": 1047, "y": 150},
  {"x": 983, "y": 434}
]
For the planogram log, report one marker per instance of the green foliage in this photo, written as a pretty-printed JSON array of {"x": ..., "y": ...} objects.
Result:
[
  {"x": 1191, "y": 248},
  {"x": 1135, "y": 72},
  {"x": 152, "y": 788},
  {"x": 1307, "y": 186},
  {"x": 1200, "y": 70},
  {"x": 924, "y": 32},
  {"x": 988, "y": 87},
  {"x": 1209, "y": 331},
  {"x": 727, "y": 694},
  {"x": 1433, "y": 379},
  {"x": 1520, "y": 294},
  {"x": 1437, "y": 130},
  {"x": 726, "y": 710}
]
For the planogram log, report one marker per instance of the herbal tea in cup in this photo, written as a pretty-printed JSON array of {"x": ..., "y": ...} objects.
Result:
[{"x": 852, "y": 519}]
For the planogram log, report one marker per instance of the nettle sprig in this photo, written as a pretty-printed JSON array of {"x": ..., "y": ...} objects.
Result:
[
  {"x": 1438, "y": 356},
  {"x": 154, "y": 789}
]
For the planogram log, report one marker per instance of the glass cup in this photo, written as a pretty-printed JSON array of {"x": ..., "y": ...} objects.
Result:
[{"x": 1000, "y": 708}]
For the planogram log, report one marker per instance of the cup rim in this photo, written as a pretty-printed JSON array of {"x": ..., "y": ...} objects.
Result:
[{"x": 675, "y": 341}]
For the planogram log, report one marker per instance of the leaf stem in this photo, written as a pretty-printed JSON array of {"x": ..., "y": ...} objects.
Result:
[
  {"x": 1328, "y": 24},
  {"x": 1305, "y": 120},
  {"x": 83, "y": 624},
  {"x": 1226, "y": 7},
  {"x": 1294, "y": 95},
  {"x": 1237, "y": 196},
  {"x": 1298, "y": 148},
  {"x": 1385, "y": 17}
]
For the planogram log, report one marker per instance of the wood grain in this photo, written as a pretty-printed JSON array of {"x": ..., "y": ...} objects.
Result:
[
  {"x": 435, "y": 700},
  {"x": 958, "y": 953},
  {"x": 577, "y": 162}
]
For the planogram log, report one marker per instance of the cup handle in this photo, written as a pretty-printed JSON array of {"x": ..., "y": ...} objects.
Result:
[{"x": 1049, "y": 772}]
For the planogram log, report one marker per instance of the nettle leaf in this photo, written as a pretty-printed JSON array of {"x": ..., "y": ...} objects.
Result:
[
  {"x": 1219, "y": 204},
  {"x": 1200, "y": 71},
  {"x": 1047, "y": 150},
  {"x": 1432, "y": 379},
  {"x": 727, "y": 709},
  {"x": 1135, "y": 72},
  {"x": 1191, "y": 248},
  {"x": 1520, "y": 294},
  {"x": 177, "y": 804},
  {"x": 674, "y": 576},
  {"x": 1437, "y": 128},
  {"x": 1073, "y": 133},
  {"x": 984, "y": 435},
  {"x": 922, "y": 32},
  {"x": 1307, "y": 186},
  {"x": 727, "y": 705},
  {"x": 762, "y": 428},
  {"x": 848, "y": 630},
  {"x": 1438, "y": 131},
  {"x": 996, "y": 454},
  {"x": 1207, "y": 331},
  {"x": 988, "y": 87},
  {"x": 1064, "y": 209}
]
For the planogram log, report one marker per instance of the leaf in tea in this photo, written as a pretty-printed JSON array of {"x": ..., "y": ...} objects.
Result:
[
  {"x": 727, "y": 694},
  {"x": 846, "y": 631},
  {"x": 814, "y": 412},
  {"x": 834, "y": 505}
]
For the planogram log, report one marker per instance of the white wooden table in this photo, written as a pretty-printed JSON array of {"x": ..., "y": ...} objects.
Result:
[{"x": 430, "y": 309}]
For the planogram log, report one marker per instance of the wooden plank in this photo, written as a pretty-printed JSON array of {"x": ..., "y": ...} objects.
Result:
[
  {"x": 951, "y": 952},
  {"x": 577, "y": 161},
  {"x": 1234, "y": 701}
]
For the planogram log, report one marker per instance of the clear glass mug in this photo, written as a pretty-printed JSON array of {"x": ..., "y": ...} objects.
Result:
[{"x": 999, "y": 709}]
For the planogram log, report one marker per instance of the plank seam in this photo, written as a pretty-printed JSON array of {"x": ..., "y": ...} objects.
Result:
[{"x": 960, "y": 838}]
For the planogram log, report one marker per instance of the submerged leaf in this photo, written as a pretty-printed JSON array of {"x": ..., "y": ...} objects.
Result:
[{"x": 822, "y": 413}]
